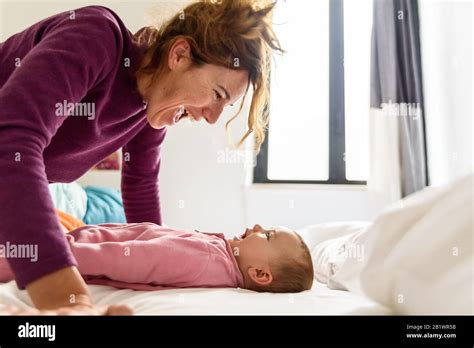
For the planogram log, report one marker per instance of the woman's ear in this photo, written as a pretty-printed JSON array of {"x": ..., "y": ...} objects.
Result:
[
  {"x": 179, "y": 56},
  {"x": 260, "y": 277}
]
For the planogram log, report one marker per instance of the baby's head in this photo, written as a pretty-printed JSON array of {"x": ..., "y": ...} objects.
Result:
[{"x": 274, "y": 260}]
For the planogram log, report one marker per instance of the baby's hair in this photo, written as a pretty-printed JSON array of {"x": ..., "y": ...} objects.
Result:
[{"x": 291, "y": 273}]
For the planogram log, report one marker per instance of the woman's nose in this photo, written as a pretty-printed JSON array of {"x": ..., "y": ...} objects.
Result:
[
  {"x": 212, "y": 115},
  {"x": 257, "y": 227}
]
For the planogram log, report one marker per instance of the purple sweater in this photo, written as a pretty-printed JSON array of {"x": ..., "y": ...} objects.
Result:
[{"x": 85, "y": 57}]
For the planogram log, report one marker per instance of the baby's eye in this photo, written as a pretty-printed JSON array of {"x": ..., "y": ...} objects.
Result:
[
  {"x": 217, "y": 94},
  {"x": 268, "y": 235}
]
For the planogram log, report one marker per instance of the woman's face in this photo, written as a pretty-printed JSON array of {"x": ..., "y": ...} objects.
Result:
[{"x": 184, "y": 90}]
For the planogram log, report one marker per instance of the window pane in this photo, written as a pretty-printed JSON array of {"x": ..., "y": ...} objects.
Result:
[
  {"x": 299, "y": 123},
  {"x": 357, "y": 41}
]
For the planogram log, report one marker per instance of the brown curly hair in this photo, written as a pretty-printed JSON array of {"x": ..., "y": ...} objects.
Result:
[{"x": 235, "y": 34}]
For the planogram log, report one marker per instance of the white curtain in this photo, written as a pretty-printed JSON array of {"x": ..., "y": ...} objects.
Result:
[
  {"x": 385, "y": 177},
  {"x": 447, "y": 80},
  {"x": 396, "y": 123},
  {"x": 383, "y": 181}
]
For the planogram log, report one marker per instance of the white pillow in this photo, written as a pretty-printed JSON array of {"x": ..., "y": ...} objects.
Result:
[{"x": 329, "y": 243}]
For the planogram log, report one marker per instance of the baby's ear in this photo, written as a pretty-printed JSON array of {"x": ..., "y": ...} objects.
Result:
[{"x": 261, "y": 277}]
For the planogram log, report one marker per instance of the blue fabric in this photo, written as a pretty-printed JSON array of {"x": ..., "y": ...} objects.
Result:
[{"x": 104, "y": 205}]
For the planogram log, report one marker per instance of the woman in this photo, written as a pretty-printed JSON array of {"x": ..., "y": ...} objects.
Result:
[{"x": 77, "y": 86}]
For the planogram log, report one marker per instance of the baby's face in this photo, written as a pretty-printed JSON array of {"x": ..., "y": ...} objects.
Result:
[{"x": 258, "y": 247}]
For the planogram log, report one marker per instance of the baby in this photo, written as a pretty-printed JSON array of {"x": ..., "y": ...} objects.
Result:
[{"x": 146, "y": 256}]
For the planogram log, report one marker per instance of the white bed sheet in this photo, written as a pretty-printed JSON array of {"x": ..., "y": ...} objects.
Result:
[{"x": 320, "y": 300}]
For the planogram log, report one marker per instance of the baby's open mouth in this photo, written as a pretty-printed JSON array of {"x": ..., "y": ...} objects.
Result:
[
  {"x": 179, "y": 114},
  {"x": 242, "y": 236}
]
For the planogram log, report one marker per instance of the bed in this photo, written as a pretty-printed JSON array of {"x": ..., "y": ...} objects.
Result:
[
  {"x": 320, "y": 300},
  {"x": 415, "y": 258}
]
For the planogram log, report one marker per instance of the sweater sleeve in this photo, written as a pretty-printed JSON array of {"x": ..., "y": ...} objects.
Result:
[
  {"x": 140, "y": 168},
  {"x": 71, "y": 57}
]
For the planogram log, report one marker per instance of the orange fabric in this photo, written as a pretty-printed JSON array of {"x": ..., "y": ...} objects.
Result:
[{"x": 67, "y": 221}]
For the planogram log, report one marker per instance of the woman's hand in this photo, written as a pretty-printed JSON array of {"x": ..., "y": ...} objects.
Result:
[
  {"x": 64, "y": 292},
  {"x": 70, "y": 310},
  {"x": 62, "y": 288}
]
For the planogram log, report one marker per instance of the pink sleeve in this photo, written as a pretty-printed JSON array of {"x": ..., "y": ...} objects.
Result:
[
  {"x": 108, "y": 233},
  {"x": 160, "y": 261}
]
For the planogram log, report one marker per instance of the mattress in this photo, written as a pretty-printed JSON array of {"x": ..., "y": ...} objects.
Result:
[{"x": 320, "y": 300}]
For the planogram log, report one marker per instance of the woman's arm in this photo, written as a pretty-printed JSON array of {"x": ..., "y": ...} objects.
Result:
[
  {"x": 70, "y": 57},
  {"x": 140, "y": 167}
]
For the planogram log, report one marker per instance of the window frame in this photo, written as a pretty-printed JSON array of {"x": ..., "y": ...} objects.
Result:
[{"x": 337, "y": 166}]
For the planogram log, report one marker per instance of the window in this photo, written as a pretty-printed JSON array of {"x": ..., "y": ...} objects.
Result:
[{"x": 319, "y": 94}]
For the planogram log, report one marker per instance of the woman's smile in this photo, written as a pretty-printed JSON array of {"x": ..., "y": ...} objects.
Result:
[
  {"x": 171, "y": 116},
  {"x": 183, "y": 112},
  {"x": 179, "y": 113}
]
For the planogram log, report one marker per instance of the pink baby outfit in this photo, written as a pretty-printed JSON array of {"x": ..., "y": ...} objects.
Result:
[{"x": 146, "y": 256}]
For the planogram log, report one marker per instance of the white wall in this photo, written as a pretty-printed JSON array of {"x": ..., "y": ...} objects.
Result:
[
  {"x": 200, "y": 189},
  {"x": 446, "y": 42},
  {"x": 300, "y": 206}
]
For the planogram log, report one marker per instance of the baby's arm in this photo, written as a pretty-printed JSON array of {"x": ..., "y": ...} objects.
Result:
[
  {"x": 158, "y": 261},
  {"x": 111, "y": 232}
]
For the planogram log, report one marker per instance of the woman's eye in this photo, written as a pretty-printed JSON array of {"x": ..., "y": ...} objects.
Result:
[
  {"x": 268, "y": 235},
  {"x": 217, "y": 94}
]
